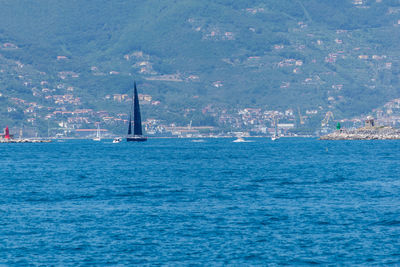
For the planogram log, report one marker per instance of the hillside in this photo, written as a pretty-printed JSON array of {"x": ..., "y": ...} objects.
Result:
[{"x": 309, "y": 55}]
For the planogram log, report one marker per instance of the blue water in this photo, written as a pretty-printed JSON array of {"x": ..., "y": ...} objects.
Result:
[{"x": 175, "y": 202}]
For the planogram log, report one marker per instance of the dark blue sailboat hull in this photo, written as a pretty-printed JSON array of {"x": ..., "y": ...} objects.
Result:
[{"x": 139, "y": 138}]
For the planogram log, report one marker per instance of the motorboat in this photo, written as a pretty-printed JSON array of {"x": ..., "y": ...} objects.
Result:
[
  {"x": 117, "y": 140},
  {"x": 198, "y": 140},
  {"x": 239, "y": 140},
  {"x": 274, "y": 137}
]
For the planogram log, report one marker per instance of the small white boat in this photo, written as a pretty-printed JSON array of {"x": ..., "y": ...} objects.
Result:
[
  {"x": 239, "y": 140},
  {"x": 117, "y": 140},
  {"x": 197, "y": 140},
  {"x": 274, "y": 137}
]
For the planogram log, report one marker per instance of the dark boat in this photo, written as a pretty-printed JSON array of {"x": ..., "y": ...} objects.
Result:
[{"x": 137, "y": 135}]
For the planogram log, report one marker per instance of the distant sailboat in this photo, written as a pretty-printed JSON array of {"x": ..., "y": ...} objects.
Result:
[
  {"x": 98, "y": 137},
  {"x": 137, "y": 135},
  {"x": 276, "y": 135}
]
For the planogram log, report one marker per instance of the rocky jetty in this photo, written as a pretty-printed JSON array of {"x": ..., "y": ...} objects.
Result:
[
  {"x": 366, "y": 133},
  {"x": 24, "y": 141}
]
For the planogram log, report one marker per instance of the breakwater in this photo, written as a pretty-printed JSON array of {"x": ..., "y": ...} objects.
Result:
[
  {"x": 366, "y": 133},
  {"x": 24, "y": 141}
]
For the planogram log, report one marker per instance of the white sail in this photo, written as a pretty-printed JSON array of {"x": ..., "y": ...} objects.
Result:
[{"x": 98, "y": 137}]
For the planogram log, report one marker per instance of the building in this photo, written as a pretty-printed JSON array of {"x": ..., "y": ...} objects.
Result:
[{"x": 369, "y": 122}]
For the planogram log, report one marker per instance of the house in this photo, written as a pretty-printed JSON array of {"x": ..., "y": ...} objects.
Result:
[
  {"x": 229, "y": 36},
  {"x": 369, "y": 122},
  {"x": 193, "y": 78},
  {"x": 285, "y": 85},
  {"x": 254, "y": 10},
  {"x": 83, "y": 111},
  {"x": 287, "y": 62},
  {"x": 289, "y": 112},
  {"x": 311, "y": 112},
  {"x": 285, "y": 126},
  {"x": 337, "y": 86},
  {"x": 62, "y": 58},
  {"x": 117, "y": 97},
  {"x": 218, "y": 84},
  {"x": 147, "y": 98},
  {"x": 10, "y": 46}
]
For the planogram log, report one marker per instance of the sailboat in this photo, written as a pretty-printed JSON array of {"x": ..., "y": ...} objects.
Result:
[
  {"x": 137, "y": 135},
  {"x": 97, "y": 138},
  {"x": 275, "y": 136}
]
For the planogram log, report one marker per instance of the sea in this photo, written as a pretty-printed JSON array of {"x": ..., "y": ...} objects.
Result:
[{"x": 174, "y": 202}]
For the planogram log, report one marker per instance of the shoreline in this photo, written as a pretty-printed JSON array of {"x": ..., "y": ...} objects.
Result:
[
  {"x": 175, "y": 137},
  {"x": 49, "y": 140}
]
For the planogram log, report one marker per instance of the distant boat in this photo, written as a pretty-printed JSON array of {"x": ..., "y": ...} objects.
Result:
[
  {"x": 137, "y": 135},
  {"x": 198, "y": 140},
  {"x": 276, "y": 135},
  {"x": 98, "y": 137},
  {"x": 239, "y": 140},
  {"x": 117, "y": 140}
]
